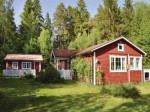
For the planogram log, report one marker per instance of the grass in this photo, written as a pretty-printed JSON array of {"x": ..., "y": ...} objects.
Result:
[{"x": 27, "y": 95}]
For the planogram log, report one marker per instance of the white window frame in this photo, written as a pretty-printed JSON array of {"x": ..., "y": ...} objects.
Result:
[
  {"x": 14, "y": 67},
  {"x": 114, "y": 56},
  {"x": 122, "y": 45},
  {"x": 26, "y": 65},
  {"x": 134, "y": 62}
]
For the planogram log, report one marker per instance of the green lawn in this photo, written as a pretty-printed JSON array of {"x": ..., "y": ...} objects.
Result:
[{"x": 28, "y": 95}]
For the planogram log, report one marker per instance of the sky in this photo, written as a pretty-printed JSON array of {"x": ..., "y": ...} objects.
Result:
[{"x": 51, "y": 5}]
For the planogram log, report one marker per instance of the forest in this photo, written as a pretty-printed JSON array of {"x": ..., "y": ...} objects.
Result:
[{"x": 72, "y": 26}]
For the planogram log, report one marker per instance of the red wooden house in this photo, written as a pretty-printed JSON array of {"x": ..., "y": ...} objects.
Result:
[
  {"x": 118, "y": 59},
  {"x": 21, "y": 64}
]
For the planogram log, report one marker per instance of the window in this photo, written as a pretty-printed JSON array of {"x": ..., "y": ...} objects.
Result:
[
  {"x": 131, "y": 63},
  {"x": 14, "y": 65},
  {"x": 26, "y": 65},
  {"x": 117, "y": 63},
  {"x": 135, "y": 63},
  {"x": 120, "y": 47}
]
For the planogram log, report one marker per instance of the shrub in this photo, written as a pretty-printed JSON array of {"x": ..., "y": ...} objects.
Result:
[
  {"x": 120, "y": 90},
  {"x": 28, "y": 76},
  {"x": 82, "y": 68},
  {"x": 50, "y": 75}
]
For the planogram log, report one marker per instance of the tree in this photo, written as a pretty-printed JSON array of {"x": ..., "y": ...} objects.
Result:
[
  {"x": 101, "y": 23},
  {"x": 7, "y": 29},
  {"x": 83, "y": 16},
  {"x": 47, "y": 24},
  {"x": 128, "y": 18},
  {"x": 60, "y": 25},
  {"x": 144, "y": 43},
  {"x": 38, "y": 15},
  {"x": 114, "y": 16},
  {"x": 45, "y": 44},
  {"x": 25, "y": 25},
  {"x": 32, "y": 47}
]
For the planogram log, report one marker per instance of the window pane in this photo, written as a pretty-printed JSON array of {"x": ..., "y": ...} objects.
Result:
[
  {"x": 15, "y": 65},
  {"x": 28, "y": 65},
  {"x": 118, "y": 63},
  {"x": 120, "y": 47},
  {"x": 123, "y": 64},
  {"x": 131, "y": 63},
  {"x": 112, "y": 63},
  {"x": 137, "y": 63},
  {"x": 23, "y": 65}
]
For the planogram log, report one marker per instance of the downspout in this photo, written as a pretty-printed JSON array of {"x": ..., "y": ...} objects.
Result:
[
  {"x": 128, "y": 69},
  {"x": 94, "y": 68}
]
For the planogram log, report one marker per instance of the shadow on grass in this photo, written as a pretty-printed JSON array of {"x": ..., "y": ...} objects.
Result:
[
  {"x": 21, "y": 96},
  {"x": 16, "y": 86},
  {"x": 141, "y": 104},
  {"x": 66, "y": 103}
]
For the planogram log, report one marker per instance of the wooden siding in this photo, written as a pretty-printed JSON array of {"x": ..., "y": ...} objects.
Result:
[
  {"x": 103, "y": 56},
  {"x": 20, "y": 65}
]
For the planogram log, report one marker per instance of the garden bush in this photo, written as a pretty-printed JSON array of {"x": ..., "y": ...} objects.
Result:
[
  {"x": 124, "y": 90},
  {"x": 49, "y": 75},
  {"x": 28, "y": 76}
]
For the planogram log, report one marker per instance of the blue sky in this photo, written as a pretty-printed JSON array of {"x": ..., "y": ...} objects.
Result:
[{"x": 50, "y": 6}]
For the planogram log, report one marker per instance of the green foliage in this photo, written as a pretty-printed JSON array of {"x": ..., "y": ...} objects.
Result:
[
  {"x": 128, "y": 91},
  {"x": 99, "y": 76},
  {"x": 38, "y": 15},
  {"x": 47, "y": 24},
  {"x": 45, "y": 44},
  {"x": 50, "y": 75},
  {"x": 83, "y": 69},
  {"x": 32, "y": 47},
  {"x": 7, "y": 30},
  {"x": 29, "y": 76}
]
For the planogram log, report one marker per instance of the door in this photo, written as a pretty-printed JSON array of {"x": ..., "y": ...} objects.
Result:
[{"x": 63, "y": 65}]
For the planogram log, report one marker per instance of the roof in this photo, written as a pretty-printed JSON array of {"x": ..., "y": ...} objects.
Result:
[
  {"x": 25, "y": 57},
  {"x": 64, "y": 53},
  {"x": 98, "y": 46}
]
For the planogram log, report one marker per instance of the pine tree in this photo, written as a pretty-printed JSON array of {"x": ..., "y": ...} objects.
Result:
[
  {"x": 47, "y": 24},
  {"x": 101, "y": 23},
  {"x": 25, "y": 25},
  {"x": 114, "y": 17},
  {"x": 38, "y": 15},
  {"x": 7, "y": 30},
  {"x": 60, "y": 25},
  {"x": 83, "y": 14},
  {"x": 128, "y": 18}
]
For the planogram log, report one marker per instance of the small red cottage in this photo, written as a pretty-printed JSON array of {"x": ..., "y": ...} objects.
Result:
[
  {"x": 118, "y": 59},
  {"x": 21, "y": 64},
  {"x": 62, "y": 58}
]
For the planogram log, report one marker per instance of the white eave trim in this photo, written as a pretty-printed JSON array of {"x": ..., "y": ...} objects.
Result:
[
  {"x": 117, "y": 40},
  {"x": 52, "y": 53}
]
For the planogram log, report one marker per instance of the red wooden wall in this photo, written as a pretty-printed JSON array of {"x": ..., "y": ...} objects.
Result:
[
  {"x": 116, "y": 77},
  {"x": 19, "y": 65}
]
